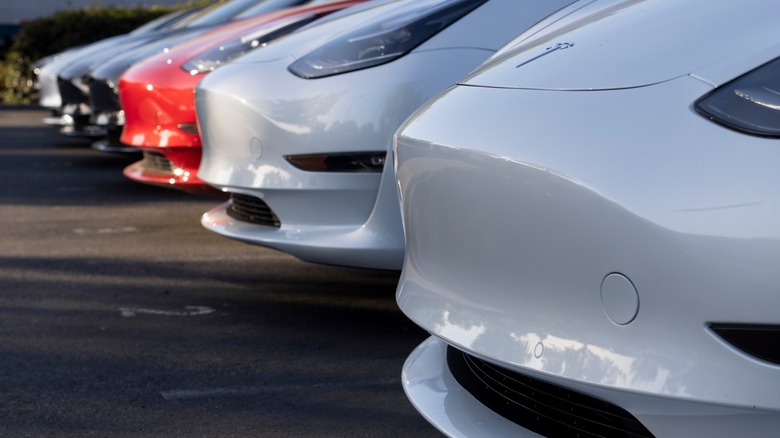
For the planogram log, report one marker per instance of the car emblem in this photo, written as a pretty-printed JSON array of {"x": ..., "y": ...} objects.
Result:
[{"x": 551, "y": 49}]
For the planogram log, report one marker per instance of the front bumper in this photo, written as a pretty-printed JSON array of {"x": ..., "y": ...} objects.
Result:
[
  {"x": 49, "y": 93},
  {"x": 347, "y": 218},
  {"x": 354, "y": 245},
  {"x": 433, "y": 389},
  {"x": 158, "y": 100},
  {"x": 170, "y": 167},
  {"x": 434, "y": 392},
  {"x": 597, "y": 248}
]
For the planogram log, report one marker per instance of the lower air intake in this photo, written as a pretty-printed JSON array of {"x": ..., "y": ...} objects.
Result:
[
  {"x": 253, "y": 210},
  {"x": 157, "y": 161},
  {"x": 544, "y": 408}
]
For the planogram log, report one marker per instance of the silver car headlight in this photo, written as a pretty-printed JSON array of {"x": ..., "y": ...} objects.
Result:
[
  {"x": 213, "y": 58},
  {"x": 386, "y": 39},
  {"x": 750, "y": 103}
]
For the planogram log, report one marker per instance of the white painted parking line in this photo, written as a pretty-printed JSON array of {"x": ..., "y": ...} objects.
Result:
[
  {"x": 114, "y": 230},
  {"x": 129, "y": 312},
  {"x": 188, "y": 394}
]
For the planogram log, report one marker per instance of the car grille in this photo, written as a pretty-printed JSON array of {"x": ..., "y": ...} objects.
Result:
[
  {"x": 157, "y": 161},
  {"x": 103, "y": 97},
  {"x": 544, "y": 408},
  {"x": 253, "y": 210}
]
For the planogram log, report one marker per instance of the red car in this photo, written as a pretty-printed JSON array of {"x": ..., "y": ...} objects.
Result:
[{"x": 157, "y": 94}]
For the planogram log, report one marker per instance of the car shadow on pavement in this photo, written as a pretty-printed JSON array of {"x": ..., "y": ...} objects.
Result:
[
  {"x": 41, "y": 167},
  {"x": 107, "y": 345}
]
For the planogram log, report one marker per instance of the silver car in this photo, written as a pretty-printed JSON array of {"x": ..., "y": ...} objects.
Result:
[
  {"x": 299, "y": 132},
  {"x": 593, "y": 228}
]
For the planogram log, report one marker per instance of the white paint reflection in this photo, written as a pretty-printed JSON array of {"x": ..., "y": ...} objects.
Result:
[
  {"x": 561, "y": 356},
  {"x": 223, "y": 173},
  {"x": 457, "y": 330},
  {"x": 592, "y": 363},
  {"x": 165, "y": 136},
  {"x": 266, "y": 175},
  {"x": 293, "y": 128}
]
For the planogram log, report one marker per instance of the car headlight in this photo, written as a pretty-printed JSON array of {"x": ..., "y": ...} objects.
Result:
[
  {"x": 213, "y": 58},
  {"x": 389, "y": 38},
  {"x": 750, "y": 103}
]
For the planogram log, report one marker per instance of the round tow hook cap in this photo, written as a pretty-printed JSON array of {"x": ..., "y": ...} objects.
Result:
[{"x": 619, "y": 298}]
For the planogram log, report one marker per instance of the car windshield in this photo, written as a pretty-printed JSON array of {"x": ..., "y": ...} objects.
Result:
[
  {"x": 223, "y": 12},
  {"x": 347, "y": 11}
]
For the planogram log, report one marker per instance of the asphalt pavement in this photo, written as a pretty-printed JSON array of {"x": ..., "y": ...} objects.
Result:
[{"x": 121, "y": 316}]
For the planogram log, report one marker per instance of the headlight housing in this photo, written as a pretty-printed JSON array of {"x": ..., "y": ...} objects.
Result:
[
  {"x": 211, "y": 59},
  {"x": 389, "y": 38},
  {"x": 750, "y": 103}
]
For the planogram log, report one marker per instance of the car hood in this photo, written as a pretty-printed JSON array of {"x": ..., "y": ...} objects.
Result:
[
  {"x": 617, "y": 44},
  {"x": 468, "y": 31},
  {"x": 185, "y": 51},
  {"x": 95, "y": 54},
  {"x": 112, "y": 68}
]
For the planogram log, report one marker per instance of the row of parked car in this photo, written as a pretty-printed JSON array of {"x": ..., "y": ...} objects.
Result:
[{"x": 589, "y": 209}]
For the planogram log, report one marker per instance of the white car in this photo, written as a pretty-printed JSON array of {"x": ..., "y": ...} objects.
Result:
[
  {"x": 593, "y": 228},
  {"x": 47, "y": 69},
  {"x": 64, "y": 82},
  {"x": 299, "y": 132}
]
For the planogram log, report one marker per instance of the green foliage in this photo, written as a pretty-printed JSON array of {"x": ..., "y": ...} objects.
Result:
[
  {"x": 65, "y": 29},
  {"x": 16, "y": 84}
]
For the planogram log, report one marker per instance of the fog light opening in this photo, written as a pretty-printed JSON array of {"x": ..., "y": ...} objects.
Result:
[
  {"x": 189, "y": 128},
  {"x": 761, "y": 341},
  {"x": 371, "y": 162}
]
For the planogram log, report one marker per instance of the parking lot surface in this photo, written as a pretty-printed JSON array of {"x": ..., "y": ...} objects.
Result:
[{"x": 121, "y": 316}]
